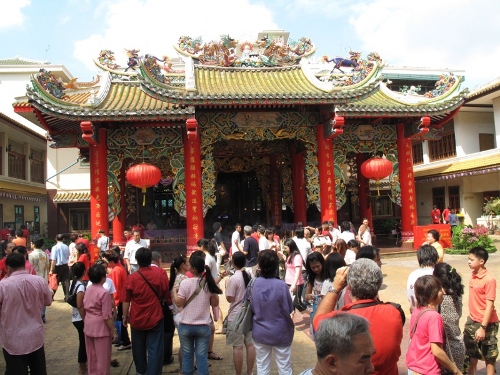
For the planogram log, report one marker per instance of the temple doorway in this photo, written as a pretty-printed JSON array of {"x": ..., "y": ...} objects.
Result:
[
  {"x": 239, "y": 198},
  {"x": 253, "y": 183}
]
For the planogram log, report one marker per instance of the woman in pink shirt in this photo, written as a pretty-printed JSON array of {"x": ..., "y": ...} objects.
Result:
[
  {"x": 425, "y": 353},
  {"x": 98, "y": 323},
  {"x": 293, "y": 274},
  {"x": 195, "y": 319}
]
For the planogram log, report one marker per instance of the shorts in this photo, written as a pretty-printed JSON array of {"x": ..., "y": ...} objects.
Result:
[
  {"x": 486, "y": 349},
  {"x": 237, "y": 339}
]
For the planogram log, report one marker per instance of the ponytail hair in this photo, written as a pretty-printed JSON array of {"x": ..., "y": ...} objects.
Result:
[
  {"x": 212, "y": 286},
  {"x": 450, "y": 280},
  {"x": 77, "y": 270},
  {"x": 239, "y": 261},
  {"x": 198, "y": 263},
  {"x": 174, "y": 268}
]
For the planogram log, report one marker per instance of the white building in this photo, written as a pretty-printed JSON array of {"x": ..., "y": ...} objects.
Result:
[{"x": 462, "y": 168}]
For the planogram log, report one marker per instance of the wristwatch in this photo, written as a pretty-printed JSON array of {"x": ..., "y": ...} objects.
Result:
[
  {"x": 483, "y": 327},
  {"x": 333, "y": 290}
]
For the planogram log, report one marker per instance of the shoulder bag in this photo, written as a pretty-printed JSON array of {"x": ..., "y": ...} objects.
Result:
[
  {"x": 73, "y": 292},
  {"x": 196, "y": 292},
  {"x": 244, "y": 320}
]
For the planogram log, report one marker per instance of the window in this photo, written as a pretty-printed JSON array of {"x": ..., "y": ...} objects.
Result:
[
  {"x": 19, "y": 215},
  {"x": 37, "y": 166},
  {"x": 454, "y": 197},
  {"x": 486, "y": 141},
  {"x": 438, "y": 197},
  {"x": 443, "y": 148},
  {"x": 17, "y": 163},
  {"x": 381, "y": 206},
  {"x": 418, "y": 153},
  {"x": 36, "y": 216},
  {"x": 79, "y": 219}
]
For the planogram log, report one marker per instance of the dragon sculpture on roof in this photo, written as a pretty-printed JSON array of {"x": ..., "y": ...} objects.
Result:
[
  {"x": 57, "y": 87},
  {"x": 228, "y": 52},
  {"x": 361, "y": 68}
]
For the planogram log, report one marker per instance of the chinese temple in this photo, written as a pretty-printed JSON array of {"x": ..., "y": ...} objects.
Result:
[{"x": 242, "y": 131}]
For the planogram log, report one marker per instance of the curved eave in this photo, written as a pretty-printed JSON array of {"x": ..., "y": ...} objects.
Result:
[
  {"x": 86, "y": 114},
  {"x": 116, "y": 72},
  {"x": 146, "y": 76},
  {"x": 381, "y": 105},
  {"x": 373, "y": 76},
  {"x": 39, "y": 91},
  {"x": 56, "y": 119},
  {"x": 263, "y": 86}
]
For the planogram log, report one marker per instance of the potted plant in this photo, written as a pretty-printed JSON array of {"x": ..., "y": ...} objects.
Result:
[{"x": 491, "y": 206}]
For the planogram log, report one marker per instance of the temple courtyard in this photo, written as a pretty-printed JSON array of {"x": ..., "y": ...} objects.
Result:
[{"x": 61, "y": 337}]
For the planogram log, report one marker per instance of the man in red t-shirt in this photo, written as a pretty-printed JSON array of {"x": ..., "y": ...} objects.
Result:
[
  {"x": 435, "y": 215},
  {"x": 446, "y": 215},
  {"x": 364, "y": 279},
  {"x": 145, "y": 311}
]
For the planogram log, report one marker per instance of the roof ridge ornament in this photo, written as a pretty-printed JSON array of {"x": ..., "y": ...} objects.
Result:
[{"x": 269, "y": 51}]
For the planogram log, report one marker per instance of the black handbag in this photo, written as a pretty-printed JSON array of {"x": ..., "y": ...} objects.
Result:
[
  {"x": 298, "y": 304},
  {"x": 72, "y": 294}
]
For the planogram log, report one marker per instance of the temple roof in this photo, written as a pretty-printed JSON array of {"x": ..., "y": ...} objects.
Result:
[
  {"x": 250, "y": 86},
  {"x": 276, "y": 74},
  {"x": 117, "y": 101},
  {"x": 386, "y": 103}
]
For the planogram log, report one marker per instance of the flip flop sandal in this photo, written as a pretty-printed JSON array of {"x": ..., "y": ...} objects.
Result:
[{"x": 212, "y": 355}]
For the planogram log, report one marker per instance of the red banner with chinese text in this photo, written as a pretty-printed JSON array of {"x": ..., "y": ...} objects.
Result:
[{"x": 420, "y": 234}]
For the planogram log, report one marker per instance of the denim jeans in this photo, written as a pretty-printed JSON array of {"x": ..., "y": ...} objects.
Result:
[
  {"x": 194, "y": 341},
  {"x": 147, "y": 349}
]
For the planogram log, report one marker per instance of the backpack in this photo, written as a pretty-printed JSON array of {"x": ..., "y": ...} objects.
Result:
[{"x": 72, "y": 293}]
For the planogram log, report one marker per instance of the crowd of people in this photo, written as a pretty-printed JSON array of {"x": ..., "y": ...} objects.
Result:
[{"x": 124, "y": 298}]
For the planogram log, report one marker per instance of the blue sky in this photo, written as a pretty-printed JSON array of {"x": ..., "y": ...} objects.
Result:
[{"x": 458, "y": 34}]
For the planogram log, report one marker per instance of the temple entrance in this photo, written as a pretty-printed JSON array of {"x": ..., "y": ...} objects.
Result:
[
  {"x": 239, "y": 199},
  {"x": 253, "y": 183}
]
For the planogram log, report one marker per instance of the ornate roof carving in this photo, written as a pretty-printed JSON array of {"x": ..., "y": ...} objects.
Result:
[{"x": 270, "y": 50}]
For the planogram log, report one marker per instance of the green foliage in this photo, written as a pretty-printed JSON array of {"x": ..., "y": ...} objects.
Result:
[
  {"x": 385, "y": 226},
  {"x": 48, "y": 243},
  {"x": 491, "y": 206},
  {"x": 467, "y": 237}
]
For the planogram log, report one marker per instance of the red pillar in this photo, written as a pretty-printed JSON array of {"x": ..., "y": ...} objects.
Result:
[
  {"x": 99, "y": 185},
  {"x": 194, "y": 197},
  {"x": 275, "y": 192},
  {"x": 365, "y": 208},
  {"x": 407, "y": 181},
  {"x": 120, "y": 219},
  {"x": 326, "y": 176}
]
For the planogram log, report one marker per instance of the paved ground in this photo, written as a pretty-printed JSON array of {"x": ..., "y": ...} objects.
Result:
[{"x": 62, "y": 341}]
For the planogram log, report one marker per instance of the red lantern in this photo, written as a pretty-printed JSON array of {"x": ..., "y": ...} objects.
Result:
[
  {"x": 376, "y": 169},
  {"x": 143, "y": 176}
]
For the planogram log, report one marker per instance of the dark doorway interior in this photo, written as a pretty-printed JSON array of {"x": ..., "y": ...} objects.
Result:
[{"x": 239, "y": 199}]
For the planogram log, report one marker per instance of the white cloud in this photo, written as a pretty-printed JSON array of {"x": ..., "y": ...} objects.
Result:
[
  {"x": 327, "y": 9},
  {"x": 11, "y": 13},
  {"x": 153, "y": 26},
  {"x": 457, "y": 34}
]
